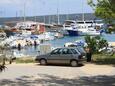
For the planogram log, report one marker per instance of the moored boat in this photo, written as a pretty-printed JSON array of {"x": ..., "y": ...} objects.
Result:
[{"x": 70, "y": 27}]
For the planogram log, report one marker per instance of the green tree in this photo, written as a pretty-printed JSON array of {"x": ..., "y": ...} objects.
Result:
[
  {"x": 104, "y": 9},
  {"x": 95, "y": 43}
]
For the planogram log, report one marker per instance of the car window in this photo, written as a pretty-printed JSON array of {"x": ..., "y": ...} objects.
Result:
[
  {"x": 80, "y": 49},
  {"x": 60, "y": 51},
  {"x": 56, "y": 51},
  {"x": 66, "y": 51},
  {"x": 69, "y": 51},
  {"x": 74, "y": 51}
]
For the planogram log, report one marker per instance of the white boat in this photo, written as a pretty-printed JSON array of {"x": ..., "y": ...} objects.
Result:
[
  {"x": 87, "y": 28},
  {"x": 70, "y": 27},
  {"x": 25, "y": 25},
  {"x": 46, "y": 36},
  {"x": 80, "y": 28}
]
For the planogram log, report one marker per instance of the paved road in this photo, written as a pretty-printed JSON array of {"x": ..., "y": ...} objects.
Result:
[{"x": 36, "y": 75}]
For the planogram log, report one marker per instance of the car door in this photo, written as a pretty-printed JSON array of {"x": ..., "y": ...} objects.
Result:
[
  {"x": 54, "y": 56},
  {"x": 65, "y": 56}
]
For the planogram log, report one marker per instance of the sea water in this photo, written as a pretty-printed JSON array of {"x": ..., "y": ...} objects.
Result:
[{"x": 33, "y": 51}]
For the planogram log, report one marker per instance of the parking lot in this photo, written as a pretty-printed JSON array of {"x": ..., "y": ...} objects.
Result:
[{"x": 53, "y": 75}]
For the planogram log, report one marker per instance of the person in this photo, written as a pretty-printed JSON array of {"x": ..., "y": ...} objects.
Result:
[
  {"x": 88, "y": 54},
  {"x": 19, "y": 46},
  {"x": 35, "y": 43}
]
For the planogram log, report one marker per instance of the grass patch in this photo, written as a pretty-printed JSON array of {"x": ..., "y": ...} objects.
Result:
[
  {"x": 104, "y": 59},
  {"x": 25, "y": 60}
]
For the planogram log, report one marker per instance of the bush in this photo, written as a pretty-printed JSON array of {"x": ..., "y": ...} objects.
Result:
[
  {"x": 25, "y": 60},
  {"x": 95, "y": 43},
  {"x": 104, "y": 59}
]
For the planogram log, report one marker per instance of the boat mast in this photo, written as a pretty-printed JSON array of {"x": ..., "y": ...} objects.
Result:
[
  {"x": 49, "y": 19},
  {"x": 58, "y": 17},
  {"x": 83, "y": 10},
  {"x": 67, "y": 15},
  {"x": 35, "y": 18},
  {"x": 1, "y": 12},
  {"x": 24, "y": 12}
]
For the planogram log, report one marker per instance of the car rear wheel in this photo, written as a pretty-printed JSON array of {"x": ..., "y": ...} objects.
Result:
[
  {"x": 43, "y": 62},
  {"x": 74, "y": 63}
]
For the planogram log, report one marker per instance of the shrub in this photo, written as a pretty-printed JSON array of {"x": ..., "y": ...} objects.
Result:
[
  {"x": 95, "y": 43},
  {"x": 24, "y": 60}
]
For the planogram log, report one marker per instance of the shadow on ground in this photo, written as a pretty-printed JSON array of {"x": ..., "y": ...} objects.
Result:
[
  {"x": 60, "y": 65},
  {"x": 49, "y": 80}
]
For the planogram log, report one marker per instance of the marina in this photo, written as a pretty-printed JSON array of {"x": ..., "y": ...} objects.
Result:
[
  {"x": 57, "y": 42},
  {"x": 34, "y": 50},
  {"x": 25, "y": 38}
]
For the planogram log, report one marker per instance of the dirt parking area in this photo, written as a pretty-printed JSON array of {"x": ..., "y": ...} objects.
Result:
[{"x": 37, "y": 75}]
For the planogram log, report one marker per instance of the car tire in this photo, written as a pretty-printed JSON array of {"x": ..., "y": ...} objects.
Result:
[
  {"x": 74, "y": 63},
  {"x": 43, "y": 62}
]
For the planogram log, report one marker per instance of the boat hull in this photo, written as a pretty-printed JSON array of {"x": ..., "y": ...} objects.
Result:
[
  {"x": 72, "y": 33},
  {"x": 88, "y": 33}
]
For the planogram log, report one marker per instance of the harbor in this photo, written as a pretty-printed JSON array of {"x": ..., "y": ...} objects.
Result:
[
  {"x": 57, "y": 43},
  {"x": 30, "y": 44},
  {"x": 26, "y": 38}
]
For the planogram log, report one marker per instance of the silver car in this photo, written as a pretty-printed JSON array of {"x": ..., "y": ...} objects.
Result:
[{"x": 66, "y": 55}]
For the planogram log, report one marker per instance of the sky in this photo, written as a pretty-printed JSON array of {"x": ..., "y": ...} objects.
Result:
[{"x": 13, "y": 8}]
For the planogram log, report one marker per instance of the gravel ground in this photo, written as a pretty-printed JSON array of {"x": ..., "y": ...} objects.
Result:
[{"x": 37, "y": 75}]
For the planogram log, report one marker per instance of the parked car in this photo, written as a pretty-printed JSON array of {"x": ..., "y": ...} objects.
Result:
[
  {"x": 79, "y": 48},
  {"x": 65, "y": 55}
]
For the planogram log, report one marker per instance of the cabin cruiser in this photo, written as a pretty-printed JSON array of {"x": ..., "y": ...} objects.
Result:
[
  {"x": 71, "y": 28},
  {"x": 80, "y": 28},
  {"x": 87, "y": 28}
]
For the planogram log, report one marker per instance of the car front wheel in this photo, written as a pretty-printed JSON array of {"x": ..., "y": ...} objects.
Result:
[
  {"x": 43, "y": 62},
  {"x": 73, "y": 63}
]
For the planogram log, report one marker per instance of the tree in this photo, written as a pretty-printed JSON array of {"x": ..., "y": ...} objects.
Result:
[
  {"x": 3, "y": 49},
  {"x": 104, "y": 9},
  {"x": 95, "y": 43}
]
